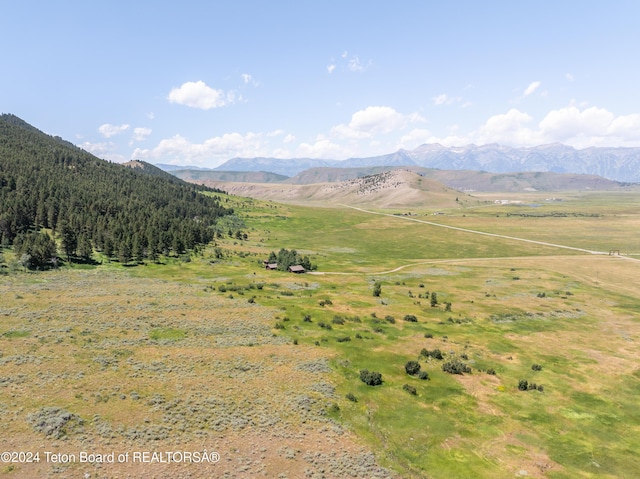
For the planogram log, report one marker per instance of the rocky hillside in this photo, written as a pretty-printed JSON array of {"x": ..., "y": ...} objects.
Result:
[{"x": 398, "y": 188}]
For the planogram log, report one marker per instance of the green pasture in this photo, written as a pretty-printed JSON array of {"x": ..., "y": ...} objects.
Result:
[{"x": 502, "y": 307}]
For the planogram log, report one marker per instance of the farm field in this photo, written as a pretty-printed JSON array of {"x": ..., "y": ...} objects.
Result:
[{"x": 264, "y": 367}]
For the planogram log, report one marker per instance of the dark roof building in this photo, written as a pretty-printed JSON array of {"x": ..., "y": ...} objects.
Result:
[{"x": 296, "y": 269}]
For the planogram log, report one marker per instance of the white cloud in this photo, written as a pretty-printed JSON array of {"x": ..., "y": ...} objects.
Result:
[
  {"x": 248, "y": 79},
  {"x": 322, "y": 148},
  {"x": 289, "y": 139},
  {"x": 444, "y": 99},
  {"x": 212, "y": 151},
  {"x": 569, "y": 77},
  {"x": 374, "y": 120},
  {"x": 414, "y": 138},
  {"x": 354, "y": 65},
  {"x": 199, "y": 95},
  {"x": 141, "y": 134},
  {"x": 570, "y": 125},
  {"x": 532, "y": 88},
  {"x": 351, "y": 62},
  {"x": 105, "y": 150},
  {"x": 107, "y": 130},
  {"x": 507, "y": 128}
]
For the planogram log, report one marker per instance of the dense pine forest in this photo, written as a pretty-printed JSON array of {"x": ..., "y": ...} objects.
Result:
[{"x": 57, "y": 199}]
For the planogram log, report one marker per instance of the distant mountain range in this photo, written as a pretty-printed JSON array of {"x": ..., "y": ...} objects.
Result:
[{"x": 620, "y": 164}]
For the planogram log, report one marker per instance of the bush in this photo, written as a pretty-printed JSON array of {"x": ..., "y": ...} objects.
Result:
[
  {"x": 523, "y": 385},
  {"x": 491, "y": 371},
  {"x": 307, "y": 318},
  {"x": 536, "y": 367},
  {"x": 456, "y": 366},
  {"x": 435, "y": 354},
  {"x": 411, "y": 318},
  {"x": 343, "y": 339},
  {"x": 337, "y": 320},
  {"x": 410, "y": 389},
  {"x": 424, "y": 375},
  {"x": 412, "y": 367},
  {"x": 371, "y": 378},
  {"x": 428, "y": 335},
  {"x": 377, "y": 289},
  {"x": 351, "y": 397},
  {"x": 390, "y": 319}
]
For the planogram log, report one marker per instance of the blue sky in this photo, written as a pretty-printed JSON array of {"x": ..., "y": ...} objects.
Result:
[{"x": 200, "y": 82}]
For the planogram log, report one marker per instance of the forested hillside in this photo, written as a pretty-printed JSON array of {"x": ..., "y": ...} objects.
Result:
[{"x": 50, "y": 189}]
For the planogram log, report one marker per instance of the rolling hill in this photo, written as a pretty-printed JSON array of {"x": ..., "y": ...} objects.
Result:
[
  {"x": 51, "y": 190},
  {"x": 399, "y": 188}
]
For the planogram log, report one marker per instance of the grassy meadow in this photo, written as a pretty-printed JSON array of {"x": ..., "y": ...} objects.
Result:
[{"x": 214, "y": 352}]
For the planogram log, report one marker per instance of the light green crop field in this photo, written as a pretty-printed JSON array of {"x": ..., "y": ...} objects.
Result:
[{"x": 264, "y": 366}]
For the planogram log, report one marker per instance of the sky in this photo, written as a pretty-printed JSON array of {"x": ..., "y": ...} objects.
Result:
[{"x": 201, "y": 82}]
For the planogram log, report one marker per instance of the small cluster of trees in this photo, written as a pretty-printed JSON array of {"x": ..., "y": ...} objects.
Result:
[{"x": 286, "y": 258}]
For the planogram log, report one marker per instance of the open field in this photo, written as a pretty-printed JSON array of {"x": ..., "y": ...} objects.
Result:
[{"x": 220, "y": 354}]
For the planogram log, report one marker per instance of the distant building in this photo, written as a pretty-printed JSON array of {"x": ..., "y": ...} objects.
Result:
[
  {"x": 296, "y": 269},
  {"x": 271, "y": 266}
]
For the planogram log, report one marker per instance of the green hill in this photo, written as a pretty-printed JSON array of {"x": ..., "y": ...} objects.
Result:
[{"x": 51, "y": 190}]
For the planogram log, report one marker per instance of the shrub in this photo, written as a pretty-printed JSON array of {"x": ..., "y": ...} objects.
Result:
[
  {"x": 222, "y": 288},
  {"x": 455, "y": 366},
  {"x": 324, "y": 325},
  {"x": 377, "y": 289},
  {"x": 412, "y": 367},
  {"x": 491, "y": 371},
  {"x": 523, "y": 385},
  {"x": 536, "y": 367},
  {"x": 428, "y": 335},
  {"x": 411, "y": 318},
  {"x": 343, "y": 339},
  {"x": 307, "y": 318},
  {"x": 435, "y": 354},
  {"x": 337, "y": 320},
  {"x": 410, "y": 389},
  {"x": 371, "y": 378},
  {"x": 390, "y": 319},
  {"x": 424, "y": 375},
  {"x": 351, "y": 397}
]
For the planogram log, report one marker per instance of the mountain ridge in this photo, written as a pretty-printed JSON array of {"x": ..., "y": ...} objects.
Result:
[{"x": 618, "y": 164}]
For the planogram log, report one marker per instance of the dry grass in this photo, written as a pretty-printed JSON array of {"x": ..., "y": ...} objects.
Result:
[{"x": 226, "y": 384}]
